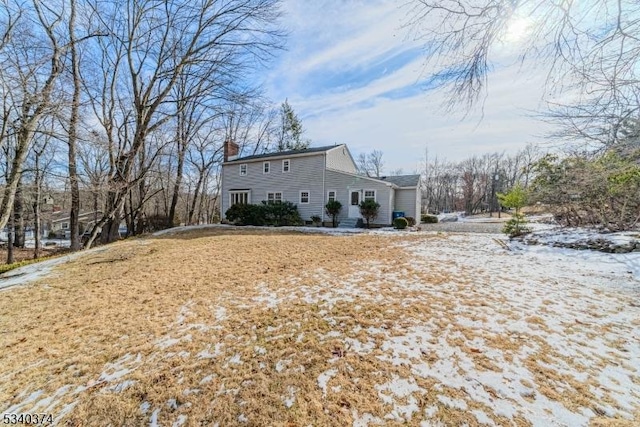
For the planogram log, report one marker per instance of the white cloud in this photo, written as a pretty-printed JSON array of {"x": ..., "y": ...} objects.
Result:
[{"x": 335, "y": 37}]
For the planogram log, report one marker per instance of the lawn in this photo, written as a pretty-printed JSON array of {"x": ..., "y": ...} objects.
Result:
[{"x": 263, "y": 327}]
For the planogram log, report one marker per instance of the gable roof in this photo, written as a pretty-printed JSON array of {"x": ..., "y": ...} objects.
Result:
[
  {"x": 402, "y": 180},
  {"x": 285, "y": 153}
]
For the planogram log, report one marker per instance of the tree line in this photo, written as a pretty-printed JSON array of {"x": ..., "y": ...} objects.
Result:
[
  {"x": 123, "y": 107},
  {"x": 472, "y": 185}
]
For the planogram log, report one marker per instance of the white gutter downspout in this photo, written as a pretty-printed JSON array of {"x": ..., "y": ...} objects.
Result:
[{"x": 324, "y": 193}]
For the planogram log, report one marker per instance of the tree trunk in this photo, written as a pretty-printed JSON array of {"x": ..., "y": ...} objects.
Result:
[
  {"x": 10, "y": 258},
  {"x": 74, "y": 224},
  {"x": 182, "y": 146},
  {"x": 36, "y": 209},
  {"x": 18, "y": 218},
  {"x": 195, "y": 196}
]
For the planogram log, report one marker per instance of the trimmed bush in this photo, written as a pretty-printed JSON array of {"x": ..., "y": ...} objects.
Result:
[
  {"x": 281, "y": 213},
  {"x": 276, "y": 213},
  {"x": 400, "y": 223},
  {"x": 369, "y": 210},
  {"x": 429, "y": 219},
  {"x": 411, "y": 220},
  {"x": 242, "y": 214}
]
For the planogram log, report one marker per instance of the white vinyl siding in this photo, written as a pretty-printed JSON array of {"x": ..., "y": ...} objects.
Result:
[
  {"x": 286, "y": 165},
  {"x": 344, "y": 184},
  {"x": 305, "y": 174},
  {"x": 266, "y": 167},
  {"x": 406, "y": 201},
  {"x": 339, "y": 159},
  {"x": 304, "y": 197}
]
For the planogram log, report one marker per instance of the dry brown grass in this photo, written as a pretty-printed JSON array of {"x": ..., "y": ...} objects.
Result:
[{"x": 190, "y": 317}]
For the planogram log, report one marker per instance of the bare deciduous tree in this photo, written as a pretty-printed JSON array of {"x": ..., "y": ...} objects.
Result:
[
  {"x": 590, "y": 48},
  {"x": 370, "y": 164}
]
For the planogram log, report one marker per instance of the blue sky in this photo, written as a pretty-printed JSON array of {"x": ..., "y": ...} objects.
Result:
[{"x": 354, "y": 76}]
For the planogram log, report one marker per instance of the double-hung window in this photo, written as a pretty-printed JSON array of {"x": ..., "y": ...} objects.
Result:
[
  {"x": 331, "y": 196},
  {"x": 370, "y": 195},
  {"x": 274, "y": 197},
  {"x": 266, "y": 167},
  {"x": 286, "y": 165},
  {"x": 243, "y": 169},
  {"x": 304, "y": 197}
]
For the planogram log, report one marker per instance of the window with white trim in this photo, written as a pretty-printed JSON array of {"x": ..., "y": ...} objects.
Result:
[
  {"x": 370, "y": 195},
  {"x": 331, "y": 195},
  {"x": 286, "y": 165},
  {"x": 239, "y": 198},
  {"x": 304, "y": 197},
  {"x": 266, "y": 167},
  {"x": 274, "y": 197},
  {"x": 65, "y": 225},
  {"x": 243, "y": 169}
]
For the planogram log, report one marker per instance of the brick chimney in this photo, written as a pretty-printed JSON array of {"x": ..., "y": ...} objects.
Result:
[{"x": 230, "y": 150}]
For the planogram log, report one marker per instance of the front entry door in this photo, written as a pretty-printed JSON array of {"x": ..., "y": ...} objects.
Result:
[{"x": 354, "y": 204}]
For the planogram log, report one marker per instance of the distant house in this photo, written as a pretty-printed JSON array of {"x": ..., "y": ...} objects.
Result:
[
  {"x": 310, "y": 178},
  {"x": 61, "y": 222}
]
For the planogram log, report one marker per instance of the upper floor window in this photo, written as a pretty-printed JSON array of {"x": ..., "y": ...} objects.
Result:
[
  {"x": 304, "y": 197},
  {"x": 286, "y": 165},
  {"x": 243, "y": 169},
  {"x": 266, "y": 167},
  {"x": 370, "y": 195},
  {"x": 331, "y": 196}
]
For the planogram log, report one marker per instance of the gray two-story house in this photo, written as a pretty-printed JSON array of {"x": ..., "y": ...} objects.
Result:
[{"x": 310, "y": 178}]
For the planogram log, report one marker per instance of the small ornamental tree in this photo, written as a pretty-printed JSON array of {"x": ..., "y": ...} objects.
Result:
[
  {"x": 333, "y": 208},
  {"x": 369, "y": 210},
  {"x": 517, "y": 199}
]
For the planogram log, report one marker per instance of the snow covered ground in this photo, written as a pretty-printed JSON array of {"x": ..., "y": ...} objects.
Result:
[{"x": 445, "y": 329}]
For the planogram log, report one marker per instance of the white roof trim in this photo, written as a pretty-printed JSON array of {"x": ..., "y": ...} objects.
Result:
[{"x": 388, "y": 184}]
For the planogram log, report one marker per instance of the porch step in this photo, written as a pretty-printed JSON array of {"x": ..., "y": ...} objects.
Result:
[{"x": 348, "y": 223}]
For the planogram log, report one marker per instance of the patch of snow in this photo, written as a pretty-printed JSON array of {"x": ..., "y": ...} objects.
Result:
[
  {"x": 453, "y": 403},
  {"x": 167, "y": 342},
  {"x": 206, "y": 379},
  {"x": 242, "y": 418},
  {"x": 324, "y": 378},
  {"x": 235, "y": 360},
  {"x": 217, "y": 351},
  {"x": 281, "y": 365},
  {"x": 482, "y": 417},
  {"x": 180, "y": 421},
  {"x": 400, "y": 388},
  {"x": 365, "y": 419},
  {"x": 153, "y": 422},
  {"x": 118, "y": 388},
  {"x": 220, "y": 313},
  {"x": 290, "y": 398}
]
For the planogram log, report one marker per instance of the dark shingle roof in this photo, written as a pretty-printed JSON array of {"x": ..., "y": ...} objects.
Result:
[
  {"x": 402, "y": 180},
  {"x": 285, "y": 153}
]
